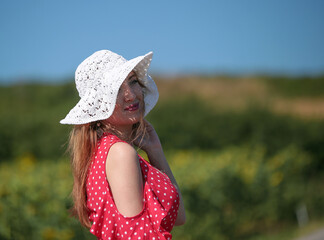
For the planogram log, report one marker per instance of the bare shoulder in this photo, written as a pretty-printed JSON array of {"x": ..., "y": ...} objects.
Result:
[
  {"x": 122, "y": 159},
  {"x": 121, "y": 151}
]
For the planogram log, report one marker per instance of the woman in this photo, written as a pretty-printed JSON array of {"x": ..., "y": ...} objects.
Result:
[{"x": 116, "y": 193}]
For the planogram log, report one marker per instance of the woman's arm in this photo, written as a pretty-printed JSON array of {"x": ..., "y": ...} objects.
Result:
[
  {"x": 152, "y": 146},
  {"x": 125, "y": 179}
]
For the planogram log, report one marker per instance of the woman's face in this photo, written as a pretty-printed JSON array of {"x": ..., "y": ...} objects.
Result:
[{"x": 129, "y": 104}]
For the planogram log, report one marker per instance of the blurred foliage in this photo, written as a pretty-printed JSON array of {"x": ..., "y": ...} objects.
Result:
[
  {"x": 30, "y": 116},
  {"x": 242, "y": 173},
  {"x": 34, "y": 198},
  {"x": 240, "y": 193},
  {"x": 235, "y": 193}
]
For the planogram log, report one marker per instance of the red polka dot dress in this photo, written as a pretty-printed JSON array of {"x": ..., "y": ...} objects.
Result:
[{"x": 160, "y": 201}]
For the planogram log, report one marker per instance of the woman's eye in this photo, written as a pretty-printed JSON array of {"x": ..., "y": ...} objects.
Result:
[{"x": 134, "y": 81}]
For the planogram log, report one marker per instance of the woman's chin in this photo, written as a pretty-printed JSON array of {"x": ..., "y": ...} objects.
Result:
[{"x": 131, "y": 120}]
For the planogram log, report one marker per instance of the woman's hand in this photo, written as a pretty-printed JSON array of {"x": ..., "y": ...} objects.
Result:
[{"x": 150, "y": 142}]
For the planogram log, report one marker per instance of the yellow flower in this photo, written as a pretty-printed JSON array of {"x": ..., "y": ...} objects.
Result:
[
  {"x": 49, "y": 233},
  {"x": 27, "y": 162}
]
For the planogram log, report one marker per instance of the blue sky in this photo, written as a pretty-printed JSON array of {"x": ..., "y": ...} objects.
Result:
[{"x": 48, "y": 39}]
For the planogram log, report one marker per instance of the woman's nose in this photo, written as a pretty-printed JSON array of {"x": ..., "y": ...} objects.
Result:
[{"x": 129, "y": 94}]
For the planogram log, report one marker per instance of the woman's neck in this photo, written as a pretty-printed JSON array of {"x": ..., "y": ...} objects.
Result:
[{"x": 122, "y": 132}]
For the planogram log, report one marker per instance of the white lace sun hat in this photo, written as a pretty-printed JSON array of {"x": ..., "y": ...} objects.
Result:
[{"x": 98, "y": 79}]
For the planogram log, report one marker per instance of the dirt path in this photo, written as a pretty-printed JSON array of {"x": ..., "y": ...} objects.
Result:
[{"x": 317, "y": 235}]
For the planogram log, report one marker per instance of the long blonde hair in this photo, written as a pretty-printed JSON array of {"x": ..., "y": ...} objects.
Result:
[{"x": 82, "y": 146}]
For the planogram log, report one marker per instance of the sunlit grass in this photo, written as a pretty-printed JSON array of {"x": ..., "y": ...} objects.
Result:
[{"x": 281, "y": 96}]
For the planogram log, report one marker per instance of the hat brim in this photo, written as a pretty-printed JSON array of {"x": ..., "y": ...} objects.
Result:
[{"x": 99, "y": 104}]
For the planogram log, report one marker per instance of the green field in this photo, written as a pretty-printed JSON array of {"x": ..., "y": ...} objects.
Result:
[{"x": 246, "y": 152}]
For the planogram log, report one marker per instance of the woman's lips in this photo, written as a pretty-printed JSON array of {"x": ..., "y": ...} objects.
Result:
[{"x": 132, "y": 107}]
